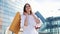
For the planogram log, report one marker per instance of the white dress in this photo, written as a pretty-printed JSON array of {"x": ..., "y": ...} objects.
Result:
[{"x": 30, "y": 29}]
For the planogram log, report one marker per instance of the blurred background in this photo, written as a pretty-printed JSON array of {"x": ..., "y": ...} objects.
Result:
[{"x": 48, "y": 11}]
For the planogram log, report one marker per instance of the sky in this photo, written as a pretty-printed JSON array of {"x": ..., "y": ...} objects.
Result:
[{"x": 47, "y": 8}]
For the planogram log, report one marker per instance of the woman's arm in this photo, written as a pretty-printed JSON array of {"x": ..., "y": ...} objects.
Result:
[
  {"x": 36, "y": 19},
  {"x": 26, "y": 20}
]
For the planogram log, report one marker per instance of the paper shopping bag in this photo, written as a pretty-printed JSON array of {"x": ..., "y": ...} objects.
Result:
[{"x": 15, "y": 26}]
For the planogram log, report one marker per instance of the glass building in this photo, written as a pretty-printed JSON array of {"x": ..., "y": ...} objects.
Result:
[
  {"x": 8, "y": 9},
  {"x": 51, "y": 26}
]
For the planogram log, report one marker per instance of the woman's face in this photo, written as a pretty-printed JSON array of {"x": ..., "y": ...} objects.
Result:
[{"x": 28, "y": 8}]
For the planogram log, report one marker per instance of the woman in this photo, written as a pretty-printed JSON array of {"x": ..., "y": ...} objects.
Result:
[{"x": 29, "y": 20}]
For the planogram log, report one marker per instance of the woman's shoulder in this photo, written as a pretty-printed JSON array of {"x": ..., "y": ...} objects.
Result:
[{"x": 23, "y": 16}]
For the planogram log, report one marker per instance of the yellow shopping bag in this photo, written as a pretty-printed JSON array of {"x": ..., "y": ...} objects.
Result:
[{"x": 15, "y": 26}]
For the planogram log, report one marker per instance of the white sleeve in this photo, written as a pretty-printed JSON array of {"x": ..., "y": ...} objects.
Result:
[{"x": 22, "y": 21}]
